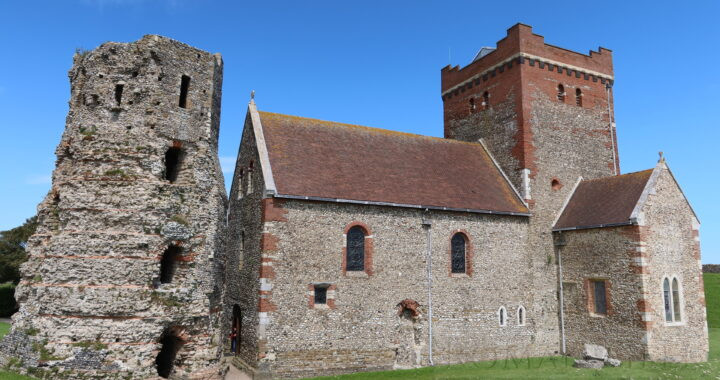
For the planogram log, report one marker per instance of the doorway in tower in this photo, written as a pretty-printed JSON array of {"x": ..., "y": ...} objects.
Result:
[{"x": 236, "y": 330}]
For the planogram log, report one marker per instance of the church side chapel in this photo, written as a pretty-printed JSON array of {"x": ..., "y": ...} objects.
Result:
[{"x": 343, "y": 248}]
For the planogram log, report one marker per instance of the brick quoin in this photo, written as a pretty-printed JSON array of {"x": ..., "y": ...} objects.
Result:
[
  {"x": 369, "y": 247},
  {"x": 268, "y": 242},
  {"x": 272, "y": 210}
]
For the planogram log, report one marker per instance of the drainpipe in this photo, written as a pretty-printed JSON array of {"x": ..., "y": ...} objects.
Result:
[
  {"x": 427, "y": 225},
  {"x": 612, "y": 128},
  {"x": 559, "y": 243}
]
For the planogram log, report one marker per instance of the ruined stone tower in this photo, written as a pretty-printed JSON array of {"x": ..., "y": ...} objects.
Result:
[
  {"x": 121, "y": 276},
  {"x": 546, "y": 115}
]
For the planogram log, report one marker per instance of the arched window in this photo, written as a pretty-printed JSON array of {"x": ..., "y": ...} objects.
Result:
[
  {"x": 521, "y": 316},
  {"x": 486, "y": 100},
  {"x": 561, "y": 93},
  {"x": 676, "y": 300},
  {"x": 667, "y": 300},
  {"x": 472, "y": 105},
  {"x": 355, "y": 260},
  {"x": 241, "y": 178},
  {"x": 457, "y": 254},
  {"x": 250, "y": 177},
  {"x": 578, "y": 97},
  {"x": 502, "y": 316}
]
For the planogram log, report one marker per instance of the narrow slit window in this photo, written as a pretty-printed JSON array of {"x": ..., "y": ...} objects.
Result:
[
  {"x": 184, "y": 87},
  {"x": 251, "y": 167},
  {"x": 320, "y": 297},
  {"x": 561, "y": 93},
  {"x": 118, "y": 93},
  {"x": 599, "y": 297},
  {"x": 578, "y": 97},
  {"x": 172, "y": 163},
  {"x": 458, "y": 248},
  {"x": 355, "y": 260},
  {"x": 240, "y": 192},
  {"x": 472, "y": 105},
  {"x": 168, "y": 263},
  {"x": 486, "y": 100},
  {"x": 521, "y": 316},
  {"x": 502, "y": 318}
]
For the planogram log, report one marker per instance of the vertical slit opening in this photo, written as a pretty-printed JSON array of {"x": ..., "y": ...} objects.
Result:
[
  {"x": 170, "y": 345},
  {"x": 184, "y": 86},
  {"x": 118, "y": 93},
  {"x": 168, "y": 263},
  {"x": 172, "y": 163}
]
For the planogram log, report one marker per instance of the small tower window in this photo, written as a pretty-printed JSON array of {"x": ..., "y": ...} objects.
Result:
[
  {"x": 521, "y": 316},
  {"x": 561, "y": 93},
  {"x": 472, "y": 105},
  {"x": 457, "y": 255},
  {"x": 578, "y": 97},
  {"x": 320, "y": 297},
  {"x": 555, "y": 184},
  {"x": 168, "y": 262},
  {"x": 355, "y": 247},
  {"x": 184, "y": 86},
  {"x": 502, "y": 316},
  {"x": 486, "y": 100},
  {"x": 118, "y": 93},
  {"x": 172, "y": 163}
]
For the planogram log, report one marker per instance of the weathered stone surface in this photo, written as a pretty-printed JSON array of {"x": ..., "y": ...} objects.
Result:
[
  {"x": 594, "y": 351},
  {"x": 594, "y": 364},
  {"x": 613, "y": 362}
]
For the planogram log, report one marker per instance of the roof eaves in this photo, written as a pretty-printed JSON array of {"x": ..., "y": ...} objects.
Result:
[
  {"x": 263, "y": 154},
  {"x": 391, "y": 204},
  {"x": 629, "y": 222},
  {"x": 492, "y": 158}
]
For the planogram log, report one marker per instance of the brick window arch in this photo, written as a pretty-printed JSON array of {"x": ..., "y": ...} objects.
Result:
[
  {"x": 486, "y": 100},
  {"x": 461, "y": 253},
  {"x": 578, "y": 97},
  {"x": 561, "y": 93},
  {"x": 358, "y": 249}
]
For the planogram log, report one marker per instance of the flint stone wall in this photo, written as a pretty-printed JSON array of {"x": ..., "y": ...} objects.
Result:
[{"x": 92, "y": 278}]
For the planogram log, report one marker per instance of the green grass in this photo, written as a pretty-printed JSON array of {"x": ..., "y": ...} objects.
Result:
[{"x": 712, "y": 298}]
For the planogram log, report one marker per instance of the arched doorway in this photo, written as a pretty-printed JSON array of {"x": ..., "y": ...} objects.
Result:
[
  {"x": 170, "y": 345},
  {"x": 236, "y": 330}
]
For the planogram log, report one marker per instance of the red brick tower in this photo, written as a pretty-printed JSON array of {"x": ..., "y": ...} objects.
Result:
[{"x": 545, "y": 113}]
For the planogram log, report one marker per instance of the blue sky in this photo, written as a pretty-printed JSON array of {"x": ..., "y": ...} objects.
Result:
[{"x": 374, "y": 63}]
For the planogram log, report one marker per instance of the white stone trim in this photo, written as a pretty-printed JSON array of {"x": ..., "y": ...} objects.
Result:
[{"x": 262, "y": 150}]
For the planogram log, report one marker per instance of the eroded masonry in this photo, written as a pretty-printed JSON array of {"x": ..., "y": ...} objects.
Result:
[{"x": 345, "y": 248}]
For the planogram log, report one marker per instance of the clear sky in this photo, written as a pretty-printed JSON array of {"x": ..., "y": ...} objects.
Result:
[{"x": 374, "y": 63}]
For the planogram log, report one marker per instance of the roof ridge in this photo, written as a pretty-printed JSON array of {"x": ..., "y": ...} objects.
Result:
[
  {"x": 617, "y": 176},
  {"x": 382, "y": 130}
]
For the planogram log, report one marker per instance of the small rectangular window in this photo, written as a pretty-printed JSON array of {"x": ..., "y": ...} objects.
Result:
[
  {"x": 321, "y": 294},
  {"x": 184, "y": 86},
  {"x": 599, "y": 297}
]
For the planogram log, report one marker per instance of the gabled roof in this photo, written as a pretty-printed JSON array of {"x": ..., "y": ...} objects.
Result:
[
  {"x": 603, "y": 202},
  {"x": 327, "y": 161}
]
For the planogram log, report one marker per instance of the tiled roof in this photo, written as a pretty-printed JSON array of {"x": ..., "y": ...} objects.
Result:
[
  {"x": 603, "y": 201},
  {"x": 321, "y": 159}
]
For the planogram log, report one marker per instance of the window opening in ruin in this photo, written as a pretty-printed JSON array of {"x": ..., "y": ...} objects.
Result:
[
  {"x": 556, "y": 185},
  {"x": 472, "y": 105},
  {"x": 502, "y": 316},
  {"x": 521, "y": 316},
  {"x": 168, "y": 263},
  {"x": 457, "y": 245},
  {"x": 578, "y": 97},
  {"x": 172, "y": 163},
  {"x": 355, "y": 260},
  {"x": 184, "y": 86},
  {"x": 320, "y": 297},
  {"x": 666, "y": 300},
  {"x": 170, "y": 345},
  {"x": 486, "y": 100},
  {"x": 599, "y": 296},
  {"x": 240, "y": 192},
  {"x": 561, "y": 93},
  {"x": 118, "y": 93},
  {"x": 250, "y": 176}
]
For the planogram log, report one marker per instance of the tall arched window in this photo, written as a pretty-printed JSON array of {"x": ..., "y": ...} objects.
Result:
[
  {"x": 472, "y": 105},
  {"x": 521, "y": 316},
  {"x": 502, "y": 316},
  {"x": 355, "y": 249},
  {"x": 561, "y": 93},
  {"x": 486, "y": 100},
  {"x": 667, "y": 300},
  {"x": 676, "y": 300},
  {"x": 578, "y": 97},
  {"x": 457, "y": 255}
]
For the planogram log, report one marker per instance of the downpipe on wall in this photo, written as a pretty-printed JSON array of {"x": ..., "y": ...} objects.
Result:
[
  {"x": 427, "y": 225},
  {"x": 559, "y": 244}
]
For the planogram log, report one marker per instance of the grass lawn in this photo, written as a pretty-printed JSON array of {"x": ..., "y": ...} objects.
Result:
[{"x": 712, "y": 298}]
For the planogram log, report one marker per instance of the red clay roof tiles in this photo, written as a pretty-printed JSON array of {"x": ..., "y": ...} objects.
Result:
[
  {"x": 314, "y": 158},
  {"x": 603, "y": 201}
]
